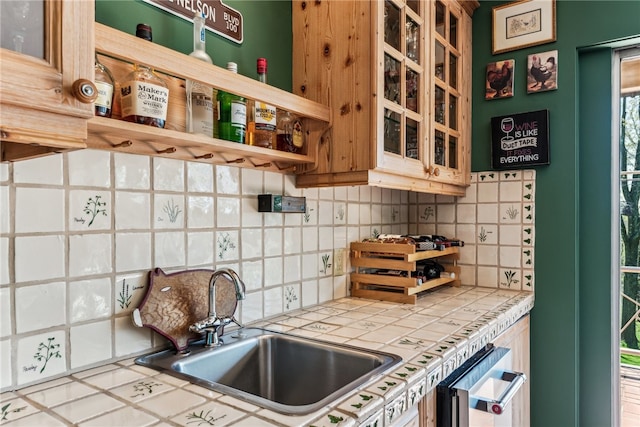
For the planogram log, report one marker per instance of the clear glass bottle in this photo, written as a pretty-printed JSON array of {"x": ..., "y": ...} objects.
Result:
[
  {"x": 261, "y": 120},
  {"x": 105, "y": 84},
  {"x": 290, "y": 136},
  {"x": 144, "y": 95},
  {"x": 232, "y": 113},
  {"x": 200, "y": 106}
]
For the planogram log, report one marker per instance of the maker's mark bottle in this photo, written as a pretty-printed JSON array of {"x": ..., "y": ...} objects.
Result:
[{"x": 144, "y": 96}]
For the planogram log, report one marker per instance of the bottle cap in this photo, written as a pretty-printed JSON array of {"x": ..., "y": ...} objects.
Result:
[
  {"x": 232, "y": 66},
  {"x": 144, "y": 32},
  {"x": 262, "y": 65}
]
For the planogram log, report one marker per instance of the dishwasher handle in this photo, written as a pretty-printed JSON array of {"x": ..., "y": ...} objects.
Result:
[{"x": 517, "y": 379}]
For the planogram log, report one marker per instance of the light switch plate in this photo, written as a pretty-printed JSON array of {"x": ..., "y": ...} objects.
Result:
[{"x": 339, "y": 261}]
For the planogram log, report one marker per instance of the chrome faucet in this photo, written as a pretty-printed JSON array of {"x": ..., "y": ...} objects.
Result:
[{"x": 211, "y": 324}]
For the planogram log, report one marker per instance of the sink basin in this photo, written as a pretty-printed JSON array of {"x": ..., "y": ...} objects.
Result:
[{"x": 285, "y": 373}]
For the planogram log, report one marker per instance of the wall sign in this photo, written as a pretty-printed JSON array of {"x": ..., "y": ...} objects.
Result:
[
  {"x": 219, "y": 18},
  {"x": 520, "y": 140}
]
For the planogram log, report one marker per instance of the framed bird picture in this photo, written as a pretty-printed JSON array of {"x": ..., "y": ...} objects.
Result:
[
  {"x": 499, "y": 80},
  {"x": 523, "y": 23},
  {"x": 542, "y": 71}
]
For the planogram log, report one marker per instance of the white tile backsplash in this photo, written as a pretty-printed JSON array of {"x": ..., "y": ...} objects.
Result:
[
  {"x": 227, "y": 212},
  {"x": 170, "y": 249},
  {"x": 132, "y": 210},
  {"x": 168, "y": 174},
  {"x": 98, "y": 175},
  {"x": 132, "y": 171},
  {"x": 133, "y": 251},
  {"x": 48, "y": 251},
  {"x": 5, "y": 209},
  {"x": 4, "y": 261},
  {"x": 47, "y": 170},
  {"x": 5, "y": 364},
  {"x": 6, "y": 322},
  {"x": 227, "y": 180},
  {"x": 39, "y": 210},
  {"x": 40, "y": 306},
  {"x": 199, "y": 177},
  {"x": 179, "y": 215},
  {"x": 90, "y": 254},
  {"x": 200, "y": 248},
  {"x": 88, "y": 343},
  {"x": 90, "y": 299},
  {"x": 200, "y": 212}
]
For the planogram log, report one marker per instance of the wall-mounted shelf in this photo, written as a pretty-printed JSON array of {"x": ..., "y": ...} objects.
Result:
[{"x": 118, "y": 50}]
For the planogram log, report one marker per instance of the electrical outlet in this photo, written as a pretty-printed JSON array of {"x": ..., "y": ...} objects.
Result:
[{"x": 339, "y": 261}]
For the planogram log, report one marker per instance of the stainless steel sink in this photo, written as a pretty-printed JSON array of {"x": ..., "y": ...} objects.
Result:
[{"x": 285, "y": 373}]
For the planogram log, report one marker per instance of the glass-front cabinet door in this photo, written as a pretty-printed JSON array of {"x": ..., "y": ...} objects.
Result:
[
  {"x": 447, "y": 91},
  {"x": 423, "y": 103},
  {"x": 46, "y": 73},
  {"x": 403, "y": 83}
]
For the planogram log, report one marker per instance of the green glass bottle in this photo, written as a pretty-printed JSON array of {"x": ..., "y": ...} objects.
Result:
[{"x": 232, "y": 113}]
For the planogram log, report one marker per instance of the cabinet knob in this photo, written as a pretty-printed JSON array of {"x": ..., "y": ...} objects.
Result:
[
  {"x": 432, "y": 171},
  {"x": 84, "y": 90}
]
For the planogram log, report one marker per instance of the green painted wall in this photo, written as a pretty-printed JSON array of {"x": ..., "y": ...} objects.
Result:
[
  {"x": 571, "y": 322},
  {"x": 267, "y": 33}
]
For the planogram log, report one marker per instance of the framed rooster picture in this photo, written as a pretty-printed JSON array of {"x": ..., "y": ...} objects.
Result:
[
  {"x": 542, "y": 71},
  {"x": 499, "y": 81}
]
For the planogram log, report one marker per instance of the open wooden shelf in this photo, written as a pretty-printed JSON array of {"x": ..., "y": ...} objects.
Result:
[{"x": 118, "y": 50}]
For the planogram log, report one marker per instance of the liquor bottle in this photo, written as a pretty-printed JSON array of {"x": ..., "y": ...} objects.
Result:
[
  {"x": 232, "y": 113},
  {"x": 290, "y": 137},
  {"x": 105, "y": 84},
  {"x": 261, "y": 121},
  {"x": 199, "y": 96},
  {"x": 144, "y": 96}
]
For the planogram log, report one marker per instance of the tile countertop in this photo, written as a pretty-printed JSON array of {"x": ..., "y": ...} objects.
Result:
[{"x": 433, "y": 337}]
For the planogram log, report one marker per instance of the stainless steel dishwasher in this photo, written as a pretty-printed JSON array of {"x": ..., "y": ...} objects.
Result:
[{"x": 478, "y": 393}]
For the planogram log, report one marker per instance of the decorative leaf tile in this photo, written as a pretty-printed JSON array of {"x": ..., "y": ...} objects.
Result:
[
  {"x": 89, "y": 210},
  {"x": 227, "y": 245},
  {"x": 326, "y": 262},
  {"x": 510, "y": 175},
  {"x": 376, "y": 420},
  {"x": 510, "y": 278},
  {"x": 129, "y": 291},
  {"x": 510, "y": 213},
  {"x": 169, "y": 211},
  {"x": 15, "y": 409},
  {"x": 211, "y": 414},
  {"x": 388, "y": 387},
  {"x": 362, "y": 404},
  {"x": 41, "y": 356},
  {"x": 334, "y": 419}
]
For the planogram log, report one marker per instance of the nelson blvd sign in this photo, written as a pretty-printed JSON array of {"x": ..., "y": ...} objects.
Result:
[{"x": 219, "y": 18}]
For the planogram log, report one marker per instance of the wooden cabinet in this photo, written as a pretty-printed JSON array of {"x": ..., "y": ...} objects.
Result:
[
  {"x": 47, "y": 46},
  {"x": 397, "y": 76}
]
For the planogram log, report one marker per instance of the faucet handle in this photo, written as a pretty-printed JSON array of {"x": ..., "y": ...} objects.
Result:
[{"x": 203, "y": 325}]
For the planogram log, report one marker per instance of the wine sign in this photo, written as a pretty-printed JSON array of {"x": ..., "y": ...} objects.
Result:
[
  {"x": 520, "y": 140},
  {"x": 218, "y": 17}
]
